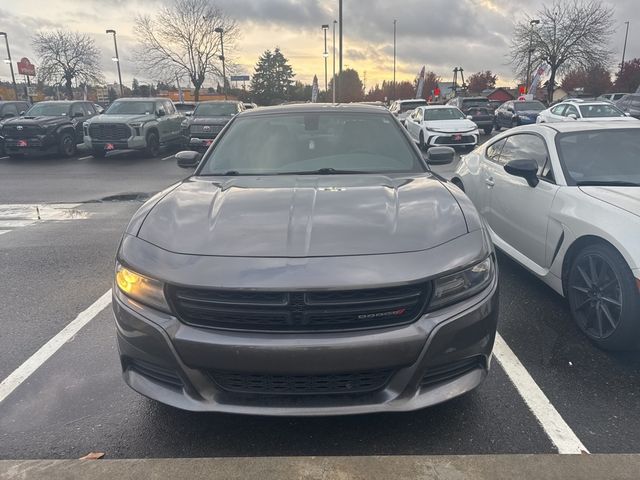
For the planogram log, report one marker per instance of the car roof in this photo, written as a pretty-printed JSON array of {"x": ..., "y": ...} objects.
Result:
[
  {"x": 437, "y": 107},
  {"x": 586, "y": 102},
  {"x": 233, "y": 102},
  {"x": 411, "y": 100},
  {"x": 564, "y": 127},
  {"x": 140, "y": 99},
  {"x": 315, "y": 108}
]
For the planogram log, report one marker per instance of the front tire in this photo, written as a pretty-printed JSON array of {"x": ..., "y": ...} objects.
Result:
[
  {"x": 488, "y": 130},
  {"x": 67, "y": 145},
  {"x": 604, "y": 298},
  {"x": 153, "y": 145}
]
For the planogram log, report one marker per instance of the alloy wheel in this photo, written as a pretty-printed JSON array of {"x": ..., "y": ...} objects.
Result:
[{"x": 595, "y": 296}]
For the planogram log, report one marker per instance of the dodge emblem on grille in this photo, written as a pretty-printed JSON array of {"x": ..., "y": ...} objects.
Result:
[{"x": 392, "y": 313}]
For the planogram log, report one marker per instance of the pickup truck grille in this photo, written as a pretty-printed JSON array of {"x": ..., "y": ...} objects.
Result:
[
  {"x": 109, "y": 131},
  {"x": 299, "y": 311},
  {"x": 21, "y": 131},
  {"x": 206, "y": 131}
]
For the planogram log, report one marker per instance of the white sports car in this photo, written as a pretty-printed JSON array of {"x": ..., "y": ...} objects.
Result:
[
  {"x": 441, "y": 125},
  {"x": 563, "y": 200},
  {"x": 576, "y": 109}
]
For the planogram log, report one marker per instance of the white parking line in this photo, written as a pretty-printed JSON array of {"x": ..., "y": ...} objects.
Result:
[
  {"x": 552, "y": 423},
  {"x": 5, "y": 158},
  {"x": 24, "y": 371},
  {"x": 85, "y": 158},
  {"x": 168, "y": 158}
]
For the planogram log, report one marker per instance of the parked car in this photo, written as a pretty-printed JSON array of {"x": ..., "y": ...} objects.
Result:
[
  {"x": 312, "y": 265},
  {"x": 441, "y": 125},
  {"x": 630, "y": 105},
  {"x": 478, "y": 108},
  {"x": 612, "y": 97},
  {"x": 249, "y": 106},
  {"x": 495, "y": 104},
  {"x": 515, "y": 113},
  {"x": 401, "y": 109},
  {"x": 54, "y": 126},
  {"x": 185, "y": 108},
  {"x": 147, "y": 124},
  {"x": 586, "y": 111},
  {"x": 10, "y": 109},
  {"x": 207, "y": 121},
  {"x": 562, "y": 200}
]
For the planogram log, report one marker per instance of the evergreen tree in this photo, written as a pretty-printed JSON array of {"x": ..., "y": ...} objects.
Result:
[{"x": 272, "y": 80}]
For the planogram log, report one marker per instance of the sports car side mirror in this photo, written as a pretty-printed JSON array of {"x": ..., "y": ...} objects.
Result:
[
  {"x": 572, "y": 116},
  {"x": 188, "y": 159},
  {"x": 469, "y": 117},
  {"x": 527, "y": 169},
  {"x": 440, "y": 155}
]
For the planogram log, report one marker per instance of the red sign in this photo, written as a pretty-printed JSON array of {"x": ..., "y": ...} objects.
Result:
[
  {"x": 436, "y": 92},
  {"x": 25, "y": 67},
  {"x": 522, "y": 90}
]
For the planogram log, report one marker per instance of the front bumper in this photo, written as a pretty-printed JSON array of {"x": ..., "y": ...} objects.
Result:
[
  {"x": 29, "y": 146},
  {"x": 441, "y": 139},
  {"x": 196, "y": 143},
  {"x": 131, "y": 143},
  {"x": 171, "y": 362}
]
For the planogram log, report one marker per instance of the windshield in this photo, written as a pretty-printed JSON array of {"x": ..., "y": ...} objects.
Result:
[
  {"x": 603, "y": 157},
  {"x": 215, "y": 110},
  {"x": 313, "y": 142},
  {"x": 48, "y": 110},
  {"x": 131, "y": 108},
  {"x": 475, "y": 102},
  {"x": 443, "y": 114},
  {"x": 605, "y": 110},
  {"x": 408, "y": 106},
  {"x": 529, "y": 106}
]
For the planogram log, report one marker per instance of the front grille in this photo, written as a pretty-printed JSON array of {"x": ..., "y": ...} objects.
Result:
[
  {"x": 21, "y": 131},
  {"x": 450, "y": 371},
  {"x": 156, "y": 373},
  {"x": 450, "y": 140},
  {"x": 206, "y": 131},
  {"x": 109, "y": 131},
  {"x": 329, "y": 384},
  {"x": 299, "y": 311}
]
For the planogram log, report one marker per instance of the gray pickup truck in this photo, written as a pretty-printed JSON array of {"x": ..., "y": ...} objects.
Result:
[{"x": 147, "y": 124}]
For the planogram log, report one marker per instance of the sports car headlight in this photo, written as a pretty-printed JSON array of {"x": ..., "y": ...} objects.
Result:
[
  {"x": 464, "y": 284},
  {"x": 143, "y": 289}
]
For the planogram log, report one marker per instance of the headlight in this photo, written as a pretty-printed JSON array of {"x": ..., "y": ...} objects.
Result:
[
  {"x": 136, "y": 124},
  {"x": 143, "y": 289},
  {"x": 461, "y": 285},
  {"x": 184, "y": 124}
]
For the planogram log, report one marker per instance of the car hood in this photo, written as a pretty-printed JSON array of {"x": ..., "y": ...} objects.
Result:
[
  {"x": 626, "y": 198},
  {"x": 39, "y": 121},
  {"x": 122, "y": 118},
  {"x": 529, "y": 113},
  {"x": 209, "y": 120},
  {"x": 462, "y": 125},
  {"x": 304, "y": 216}
]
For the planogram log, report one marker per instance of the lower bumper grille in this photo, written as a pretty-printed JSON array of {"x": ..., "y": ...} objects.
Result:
[
  {"x": 299, "y": 311},
  {"x": 450, "y": 371},
  {"x": 156, "y": 373},
  {"x": 451, "y": 140},
  {"x": 331, "y": 384}
]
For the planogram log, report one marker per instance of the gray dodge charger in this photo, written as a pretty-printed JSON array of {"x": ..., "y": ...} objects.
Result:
[{"x": 311, "y": 265}]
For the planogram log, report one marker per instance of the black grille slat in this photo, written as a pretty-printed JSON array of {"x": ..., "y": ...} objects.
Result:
[
  {"x": 109, "y": 131},
  {"x": 450, "y": 371},
  {"x": 299, "y": 311},
  {"x": 329, "y": 384}
]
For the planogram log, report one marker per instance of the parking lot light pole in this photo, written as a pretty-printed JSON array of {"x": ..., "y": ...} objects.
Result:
[
  {"x": 333, "y": 90},
  {"x": 624, "y": 49},
  {"x": 220, "y": 30},
  {"x": 325, "y": 54},
  {"x": 13, "y": 76},
  {"x": 117, "y": 59},
  {"x": 533, "y": 23},
  {"x": 394, "y": 58}
]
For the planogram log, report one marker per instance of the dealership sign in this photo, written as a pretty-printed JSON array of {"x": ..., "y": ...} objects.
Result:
[{"x": 25, "y": 67}]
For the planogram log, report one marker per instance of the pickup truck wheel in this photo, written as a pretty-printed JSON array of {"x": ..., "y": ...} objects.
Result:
[
  {"x": 67, "y": 145},
  {"x": 153, "y": 145},
  {"x": 99, "y": 153}
]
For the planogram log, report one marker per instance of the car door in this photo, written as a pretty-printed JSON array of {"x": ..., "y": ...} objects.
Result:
[
  {"x": 570, "y": 110},
  {"x": 556, "y": 113},
  {"x": 162, "y": 119},
  {"x": 519, "y": 213},
  {"x": 507, "y": 115},
  {"x": 488, "y": 166},
  {"x": 78, "y": 116},
  {"x": 413, "y": 124},
  {"x": 175, "y": 120}
]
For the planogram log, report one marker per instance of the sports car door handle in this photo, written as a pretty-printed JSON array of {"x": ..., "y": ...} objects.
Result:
[{"x": 489, "y": 181}]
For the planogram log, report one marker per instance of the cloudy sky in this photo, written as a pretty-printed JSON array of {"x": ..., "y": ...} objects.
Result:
[{"x": 441, "y": 34}]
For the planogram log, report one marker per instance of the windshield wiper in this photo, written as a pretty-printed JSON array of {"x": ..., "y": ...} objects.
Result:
[
  {"x": 607, "y": 183},
  {"x": 321, "y": 171}
]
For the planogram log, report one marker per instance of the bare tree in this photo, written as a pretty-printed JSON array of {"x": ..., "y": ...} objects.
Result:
[
  {"x": 571, "y": 34},
  {"x": 67, "y": 56},
  {"x": 181, "y": 40}
]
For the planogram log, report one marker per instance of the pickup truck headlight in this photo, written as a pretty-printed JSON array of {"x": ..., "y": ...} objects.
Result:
[
  {"x": 464, "y": 284},
  {"x": 143, "y": 289}
]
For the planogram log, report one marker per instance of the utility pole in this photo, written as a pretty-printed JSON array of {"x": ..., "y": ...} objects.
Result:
[
  {"x": 624, "y": 50},
  {"x": 325, "y": 54},
  {"x": 13, "y": 76},
  {"x": 340, "y": 42},
  {"x": 334, "y": 61},
  {"x": 532, "y": 23},
  {"x": 394, "y": 58},
  {"x": 224, "y": 70}
]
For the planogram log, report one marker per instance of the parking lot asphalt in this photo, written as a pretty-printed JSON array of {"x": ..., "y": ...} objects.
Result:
[{"x": 75, "y": 402}]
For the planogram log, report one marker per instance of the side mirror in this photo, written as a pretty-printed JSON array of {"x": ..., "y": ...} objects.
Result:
[
  {"x": 188, "y": 159},
  {"x": 527, "y": 169},
  {"x": 572, "y": 116},
  {"x": 440, "y": 155},
  {"x": 100, "y": 111},
  {"x": 627, "y": 114},
  {"x": 188, "y": 114},
  {"x": 161, "y": 112},
  {"x": 22, "y": 113},
  {"x": 469, "y": 117}
]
